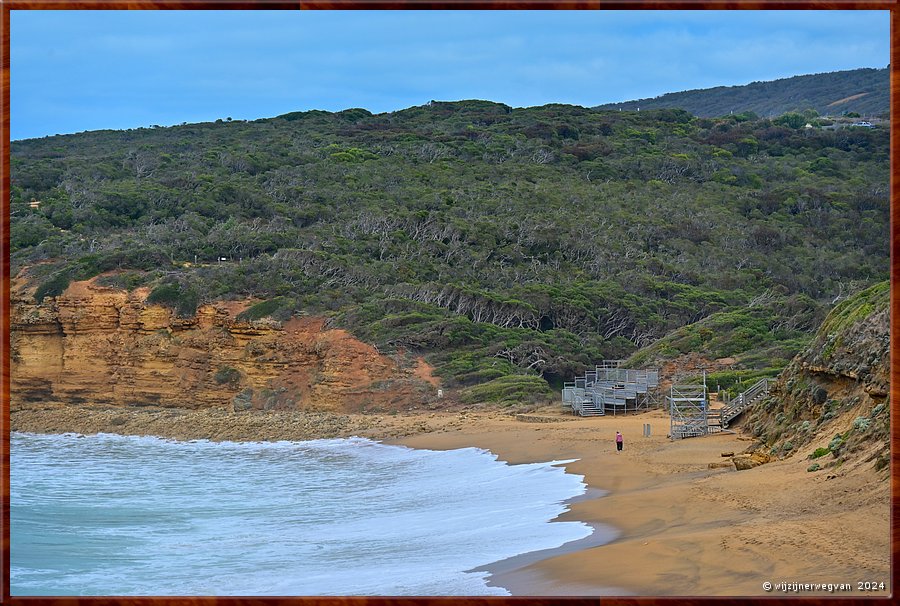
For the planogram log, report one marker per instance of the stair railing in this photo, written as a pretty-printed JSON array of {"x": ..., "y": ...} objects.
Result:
[{"x": 745, "y": 399}]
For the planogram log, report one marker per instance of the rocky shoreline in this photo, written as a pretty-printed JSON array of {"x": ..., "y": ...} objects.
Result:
[{"x": 220, "y": 424}]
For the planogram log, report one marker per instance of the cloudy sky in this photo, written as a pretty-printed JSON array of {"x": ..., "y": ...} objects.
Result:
[{"x": 85, "y": 70}]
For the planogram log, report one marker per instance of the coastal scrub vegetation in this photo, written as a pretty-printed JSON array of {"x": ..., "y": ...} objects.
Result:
[
  {"x": 278, "y": 308},
  {"x": 498, "y": 242}
]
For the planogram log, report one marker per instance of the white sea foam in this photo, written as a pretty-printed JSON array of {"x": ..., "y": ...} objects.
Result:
[{"x": 116, "y": 515}]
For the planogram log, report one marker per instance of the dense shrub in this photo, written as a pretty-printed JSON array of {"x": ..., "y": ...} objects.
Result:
[
  {"x": 510, "y": 389},
  {"x": 278, "y": 308},
  {"x": 183, "y": 299},
  {"x": 227, "y": 374},
  {"x": 820, "y": 452},
  {"x": 53, "y": 287}
]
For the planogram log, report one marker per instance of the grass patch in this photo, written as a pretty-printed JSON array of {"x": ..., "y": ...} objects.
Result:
[
  {"x": 857, "y": 308},
  {"x": 508, "y": 389},
  {"x": 128, "y": 280},
  {"x": 820, "y": 452}
]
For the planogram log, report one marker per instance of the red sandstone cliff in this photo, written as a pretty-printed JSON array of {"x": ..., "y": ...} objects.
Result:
[{"x": 96, "y": 344}]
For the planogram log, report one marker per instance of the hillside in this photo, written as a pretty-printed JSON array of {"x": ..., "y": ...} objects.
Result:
[
  {"x": 512, "y": 248},
  {"x": 831, "y": 404},
  {"x": 862, "y": 91}
]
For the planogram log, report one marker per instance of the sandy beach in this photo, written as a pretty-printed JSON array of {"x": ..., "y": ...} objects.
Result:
[
  {"x": 681, "y": 528},
  {"x": 685, "y": 529}
]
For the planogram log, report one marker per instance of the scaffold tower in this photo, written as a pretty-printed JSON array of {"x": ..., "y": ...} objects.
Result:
[{"x": 689, "y": 410}]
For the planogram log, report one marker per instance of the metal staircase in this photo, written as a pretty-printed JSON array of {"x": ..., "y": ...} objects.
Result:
[{"x": 735, "y": 407}]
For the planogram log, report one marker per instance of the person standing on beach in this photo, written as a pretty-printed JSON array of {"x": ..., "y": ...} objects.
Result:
[{"x": 618, "y": 442}]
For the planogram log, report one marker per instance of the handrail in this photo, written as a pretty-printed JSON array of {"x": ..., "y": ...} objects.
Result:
[{"x": 744, "y": 399}]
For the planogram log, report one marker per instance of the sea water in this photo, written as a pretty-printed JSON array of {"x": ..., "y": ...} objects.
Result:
[{"x": 124, "y": 515}]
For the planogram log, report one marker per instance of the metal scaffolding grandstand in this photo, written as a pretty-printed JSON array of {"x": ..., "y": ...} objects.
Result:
[{"x": 609, "y": 389}]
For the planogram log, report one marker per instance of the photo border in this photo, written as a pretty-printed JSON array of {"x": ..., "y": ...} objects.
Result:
[{"x": 10, "y": 5}]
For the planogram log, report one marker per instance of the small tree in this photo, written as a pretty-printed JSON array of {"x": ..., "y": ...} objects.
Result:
[{"x": 791, "y": 120}]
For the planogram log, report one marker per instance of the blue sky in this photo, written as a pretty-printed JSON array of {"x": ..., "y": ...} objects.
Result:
[{"x": 85, "y": 70}]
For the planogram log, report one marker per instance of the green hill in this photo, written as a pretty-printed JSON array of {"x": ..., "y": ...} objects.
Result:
[
  {"x": 495, "y": 241},
  {"x": 862, "y": 91}
]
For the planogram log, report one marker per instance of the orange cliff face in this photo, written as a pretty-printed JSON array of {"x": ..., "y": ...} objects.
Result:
[{"x": 101, "y": 345}]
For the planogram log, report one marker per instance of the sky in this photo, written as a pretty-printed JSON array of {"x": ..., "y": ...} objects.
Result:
[{"x": 73, "y": 71}]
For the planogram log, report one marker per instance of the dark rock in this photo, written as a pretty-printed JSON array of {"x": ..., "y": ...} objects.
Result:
[{"x": 243, "y": 400}]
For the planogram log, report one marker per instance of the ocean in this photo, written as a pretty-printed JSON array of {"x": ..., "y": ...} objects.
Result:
[{"x": 123, "y": 515}]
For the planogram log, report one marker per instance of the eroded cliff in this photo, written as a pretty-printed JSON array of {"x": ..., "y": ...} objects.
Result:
[
  {"x": 831, "y": 404},
  {"x": 102, "y": 345}
]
